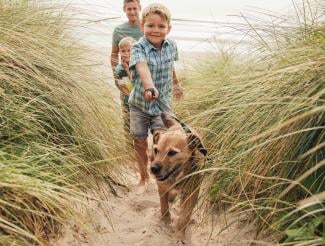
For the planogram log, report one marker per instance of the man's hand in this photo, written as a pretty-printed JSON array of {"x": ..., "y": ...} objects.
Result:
[{"x": 151, "y": 94}]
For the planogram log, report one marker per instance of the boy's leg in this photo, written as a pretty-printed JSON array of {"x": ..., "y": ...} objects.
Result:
[
  {"x": 139, "y": 124},
  {"x": 157, "y": 125},
  {"x": 140, "y": 146}
]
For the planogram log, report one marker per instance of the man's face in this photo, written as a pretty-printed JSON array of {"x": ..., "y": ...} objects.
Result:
[
  {"x": 132, "y": 11},
  {"x": 155, "y": 29}
]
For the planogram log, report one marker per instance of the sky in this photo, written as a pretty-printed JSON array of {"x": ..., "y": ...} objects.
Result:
[
  {"x": 189, "y": 35},
  {"x": 189, "y": 9},
  {"x": 211, "y": 9}
]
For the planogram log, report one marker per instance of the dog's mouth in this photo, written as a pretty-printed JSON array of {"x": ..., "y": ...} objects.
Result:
[{"x": 167, "y": 175}]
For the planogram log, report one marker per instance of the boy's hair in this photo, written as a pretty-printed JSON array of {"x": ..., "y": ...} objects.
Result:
[
  {"x": 156, "y": 8},
  {"x": 130, "y": 1},
  {"x": 126, "y": 41}
]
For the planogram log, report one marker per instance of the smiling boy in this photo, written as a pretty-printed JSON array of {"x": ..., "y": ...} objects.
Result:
[{"x": 154, "y": 80}]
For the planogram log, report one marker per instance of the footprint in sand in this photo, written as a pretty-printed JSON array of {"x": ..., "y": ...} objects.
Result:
[{"x": 141, "y": 205}]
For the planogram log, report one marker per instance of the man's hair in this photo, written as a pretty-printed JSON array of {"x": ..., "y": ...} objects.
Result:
[
  {"x": 130, "y": 1},
  {"x": 156, "y": 8},
  {"x": 126, "y": 41}
]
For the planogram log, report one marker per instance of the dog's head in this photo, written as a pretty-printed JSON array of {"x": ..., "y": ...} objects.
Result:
[{"x": 173, "y": 149}]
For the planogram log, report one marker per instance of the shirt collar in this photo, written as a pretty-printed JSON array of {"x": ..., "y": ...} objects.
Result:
[{"x": 149, "y": 46}]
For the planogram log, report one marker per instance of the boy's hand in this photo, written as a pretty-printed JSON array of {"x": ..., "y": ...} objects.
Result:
[
  {"x": 151, "y": 94},
  {"x": 125, "y": 64},
  {"x": 124, "y": 90},
  {"x": 178, "y": 91}
]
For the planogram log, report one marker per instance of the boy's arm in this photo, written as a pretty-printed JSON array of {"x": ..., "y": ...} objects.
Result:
[
  {"x": 122, "y": 87},
  {"x": 126, "y": 68},
  {"x": 177, "y": 88},
  {"x": 146, "y": 80}
]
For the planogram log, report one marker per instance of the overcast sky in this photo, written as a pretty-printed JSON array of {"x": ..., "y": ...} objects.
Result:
[
  {"x": 186, "y": 33},
  {"x": 190, "y": 9}
]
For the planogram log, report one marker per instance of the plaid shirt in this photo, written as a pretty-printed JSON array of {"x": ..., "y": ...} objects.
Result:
[{"x": 160, "y": 63}]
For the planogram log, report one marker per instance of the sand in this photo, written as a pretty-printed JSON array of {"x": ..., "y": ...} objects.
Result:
[{"x": 132, "y": 218}]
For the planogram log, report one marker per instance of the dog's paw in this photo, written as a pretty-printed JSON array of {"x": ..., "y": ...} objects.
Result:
[{"x": 180, "y": 242}]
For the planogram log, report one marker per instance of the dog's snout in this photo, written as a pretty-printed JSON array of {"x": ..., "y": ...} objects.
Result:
[{"x": 155, "y": 168}]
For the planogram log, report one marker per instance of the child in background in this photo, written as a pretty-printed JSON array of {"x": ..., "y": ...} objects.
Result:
[
  {"x": 131, "y": 28},
  {"x": 152, "y": 61},
  {"x": 123, "y": 79}
]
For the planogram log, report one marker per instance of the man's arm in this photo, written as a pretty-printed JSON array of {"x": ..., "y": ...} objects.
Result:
[
  {"x": 146, "y": 80},
  {"x": 114, "y": 57}
]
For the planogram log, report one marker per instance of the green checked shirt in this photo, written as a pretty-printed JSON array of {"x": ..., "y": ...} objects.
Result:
[{"x": 161, "y": 64}]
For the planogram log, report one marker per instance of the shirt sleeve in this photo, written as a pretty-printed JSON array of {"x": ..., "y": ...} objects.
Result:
[
  {"x": 137, "y": 55},
  {"x": 116, "y": 37}
]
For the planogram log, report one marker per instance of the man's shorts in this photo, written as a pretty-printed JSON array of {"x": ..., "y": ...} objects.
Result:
[{"x": 141, "y": 122}]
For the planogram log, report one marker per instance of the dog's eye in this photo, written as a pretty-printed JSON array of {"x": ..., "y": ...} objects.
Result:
[{"x": 172, "y": 153}]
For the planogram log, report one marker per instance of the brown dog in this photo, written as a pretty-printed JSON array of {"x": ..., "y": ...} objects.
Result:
[{"x": 176, "y": 156}]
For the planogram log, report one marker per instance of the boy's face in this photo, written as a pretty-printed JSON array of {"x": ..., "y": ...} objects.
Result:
[
  {"x": 132, "y": 11},
  {"x": 125, "y": 53},
  {"x": 155, "y": 29}
]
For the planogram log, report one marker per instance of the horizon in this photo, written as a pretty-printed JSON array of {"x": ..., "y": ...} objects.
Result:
[{"x": 200, "y": 30}]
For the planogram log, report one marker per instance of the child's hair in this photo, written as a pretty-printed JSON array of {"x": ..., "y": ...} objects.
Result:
[
  {"x": 126, "y": 41},
  {"x": 130, "y": 1},
  {"x": 156, "y": 8}
]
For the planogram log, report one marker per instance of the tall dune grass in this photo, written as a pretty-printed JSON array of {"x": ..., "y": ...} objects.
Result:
[
  {"x": 59, "y": 130},
  {"x": 263, "y": 120}
]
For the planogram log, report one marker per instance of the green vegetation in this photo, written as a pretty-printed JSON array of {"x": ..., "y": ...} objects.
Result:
[
  {"x": 59, "y": 133},
  {"x": 263, "y": 122},
  {"x": 261, "y": 116}
]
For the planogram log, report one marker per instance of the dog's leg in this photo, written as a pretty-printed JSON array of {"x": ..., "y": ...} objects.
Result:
[
  {"x": 188, "y": 201},
  {"x": 164, "y": 207}
]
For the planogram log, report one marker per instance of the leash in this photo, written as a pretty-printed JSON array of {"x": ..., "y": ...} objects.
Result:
[{"x": 167, "y": 109}]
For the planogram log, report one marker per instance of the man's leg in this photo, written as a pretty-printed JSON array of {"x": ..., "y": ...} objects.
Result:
[
  {"x": 140, "y": 147},
  {"x": 126, "y": 124}
]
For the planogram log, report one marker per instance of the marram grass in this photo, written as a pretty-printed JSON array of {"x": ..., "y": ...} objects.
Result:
[
  {"x": 262, "y": 119},
  {"x": 59, "y": 133}
]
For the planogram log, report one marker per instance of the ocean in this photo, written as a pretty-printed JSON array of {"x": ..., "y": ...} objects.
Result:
[
  {"x": 190, "y": 35},
  {"x": 198, "y": 26}
]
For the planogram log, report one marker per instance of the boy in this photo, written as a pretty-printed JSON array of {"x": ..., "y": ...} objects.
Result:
[
  {"x": 130, "y": 28},
  {"x": 152, "y": 60},
  {"x": 123, "y": 78}
]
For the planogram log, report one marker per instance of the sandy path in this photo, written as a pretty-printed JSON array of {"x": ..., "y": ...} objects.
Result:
[{"x": 133, "y": 219}]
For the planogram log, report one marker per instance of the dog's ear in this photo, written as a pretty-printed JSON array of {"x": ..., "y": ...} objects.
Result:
[
  {"x": 194, "y": 142},
  {"x": 168, "y": 120},
  {"x": 155, "y": 137}
]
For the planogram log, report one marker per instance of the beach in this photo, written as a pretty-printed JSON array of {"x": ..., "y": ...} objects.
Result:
[{"x": 133, "y": 219}]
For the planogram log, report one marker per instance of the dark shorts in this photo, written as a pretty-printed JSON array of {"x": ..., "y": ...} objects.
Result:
[{"x": 141, "y": 122}]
